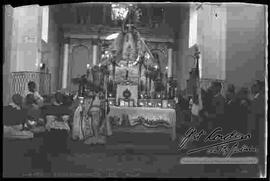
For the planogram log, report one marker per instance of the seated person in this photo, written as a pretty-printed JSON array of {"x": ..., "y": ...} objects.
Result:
[
  {"x": 32, "y": 108},
  {"x": 32, "y": 90},
  {"x": 14, "y": 118}
]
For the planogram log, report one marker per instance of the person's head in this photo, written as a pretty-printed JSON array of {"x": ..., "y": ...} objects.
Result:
[
  {"x": 230, "y": 92},
  {"x": 216, "y": 87},
  {"x": 17, "y": 99},
  {"x": 30, "y": 99},
  {"x": 32, "y": 86},
  {"x": 58, "y": 97}
]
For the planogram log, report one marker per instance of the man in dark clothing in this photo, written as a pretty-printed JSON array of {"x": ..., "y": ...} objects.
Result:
[
  {"x": 14, "y": 118},
  {"x": 230, "y": 108},
  {"x": 242, "y": 104},
  {"x": 256, "y": 121},
  {"x": 216, "y": 113},
  {"x": 13, "y": 113}
]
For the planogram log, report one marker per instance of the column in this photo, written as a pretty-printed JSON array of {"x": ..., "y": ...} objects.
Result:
[
  {"x": 65, "y": 66},
  {"x": 170, "y": 53},
  {"x": 95, "y": 48}
]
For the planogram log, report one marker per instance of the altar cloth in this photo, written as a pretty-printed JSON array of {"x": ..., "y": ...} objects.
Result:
[{"x": 150, "y": 113}]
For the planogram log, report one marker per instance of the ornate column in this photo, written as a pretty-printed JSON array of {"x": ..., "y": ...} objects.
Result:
[{"x": 65, "y": 65}]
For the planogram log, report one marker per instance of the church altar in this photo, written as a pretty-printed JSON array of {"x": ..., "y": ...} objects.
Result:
[
  {"x": 134, "y": 80},
  {"x": 142, "y": 119}
]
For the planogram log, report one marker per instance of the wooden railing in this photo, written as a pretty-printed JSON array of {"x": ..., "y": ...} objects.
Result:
[{"x": 19, "y": 81}]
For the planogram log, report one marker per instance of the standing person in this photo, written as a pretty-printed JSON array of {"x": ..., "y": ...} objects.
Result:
[
  {"x": 242, "y": 104},
  {"x": 94, "y": 120},
  {"x": 256, "y": 123},
  {"x": 257, "y": 111},
  {"x": 216, "y": 113},
  {"x": 32, "y": 90},
  {"x": 196, "y": 108},
  {"x": 230, "y": 108}
]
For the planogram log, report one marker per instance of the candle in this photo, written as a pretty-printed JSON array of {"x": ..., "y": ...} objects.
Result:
[
  {"x": 88, "y": 66},
  {"x": 95, "y": 48},
  {"x": 170, "y": 62}
]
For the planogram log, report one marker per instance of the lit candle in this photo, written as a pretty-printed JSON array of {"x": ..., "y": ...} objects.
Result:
[{"x": 88, "y": 66}]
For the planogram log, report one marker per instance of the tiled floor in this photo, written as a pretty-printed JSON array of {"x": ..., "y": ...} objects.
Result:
[{"x": 124, "y": 155}]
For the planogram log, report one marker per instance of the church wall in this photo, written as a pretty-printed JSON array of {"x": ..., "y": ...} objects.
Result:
[
  {"x": 22, "y": 42},
  {"x": 245, "y": 44},
  {"x": 242, "y": 53},
  {"x": 26, "y": 39}
]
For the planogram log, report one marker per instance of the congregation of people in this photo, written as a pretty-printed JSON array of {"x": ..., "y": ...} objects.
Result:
[
  {"x": 60, "y": 116},
  {"x": 242, "y": 110},
  {"x": 30, "y": 114}
]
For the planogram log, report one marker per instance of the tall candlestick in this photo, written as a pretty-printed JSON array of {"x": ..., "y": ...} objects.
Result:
[
  {"x": 170, "y": 62},
  {"x": 95, "y": 54},
  {"x": 65, "y": 67}
]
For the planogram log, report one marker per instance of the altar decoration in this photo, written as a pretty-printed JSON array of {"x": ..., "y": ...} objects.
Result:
[
  {"x": 142, "y": 119},
  {"x": 127, "y": 88}
]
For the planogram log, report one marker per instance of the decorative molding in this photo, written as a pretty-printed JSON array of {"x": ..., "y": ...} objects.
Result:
[{"x": 86, "y": 32}]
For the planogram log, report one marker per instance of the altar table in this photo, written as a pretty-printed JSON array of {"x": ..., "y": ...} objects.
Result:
[{"x": 150, "y": 113}]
